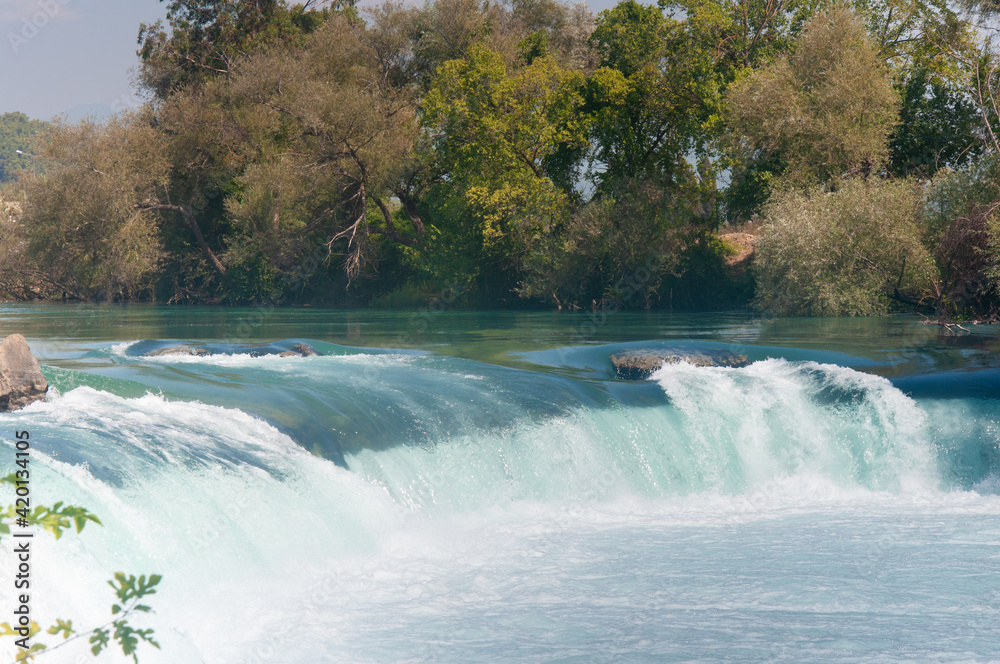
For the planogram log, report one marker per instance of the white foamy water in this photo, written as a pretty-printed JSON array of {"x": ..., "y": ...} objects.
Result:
[{"x": 781, "y": 512}]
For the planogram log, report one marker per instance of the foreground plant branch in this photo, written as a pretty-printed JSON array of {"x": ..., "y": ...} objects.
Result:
[{"x": 129, "y": 589}]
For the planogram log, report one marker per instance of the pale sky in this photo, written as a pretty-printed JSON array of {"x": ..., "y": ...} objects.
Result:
[
  {"x": 61, "y": 55},
  {"x": 75, "y": 56}
]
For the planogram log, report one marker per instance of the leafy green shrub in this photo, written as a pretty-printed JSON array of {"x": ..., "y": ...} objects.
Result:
[
  {"x": 703, "y": 277},
  {"x": 85, "y": 219},
  {"x": 130, "y": 590},
  {"x": 853, "y": 251},
  {"x": 939, "y": 126},
  {"x": 962, "y": 231},
  {"x": 250, "y": 277}
]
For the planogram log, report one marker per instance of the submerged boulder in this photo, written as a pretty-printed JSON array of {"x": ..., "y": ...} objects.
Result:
[
  {"x": 300, "y": 350},
  {"x": 178, "y": 350},
  {"x": 21, "y": 379},
  {"x": 642, "y": 363}
]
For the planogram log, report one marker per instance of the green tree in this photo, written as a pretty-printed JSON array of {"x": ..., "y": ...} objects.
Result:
[
  {"x": 977, "y": 60},
  {"x": 939, "y": 126},
  {"x": 493, "y": 130},
  {"x": 444, "y": 30},
  {"x": 939, "y": 123},
  {"x": 961, "y": 230},
  {"x": 17, "y": 131},
  {"x": 823, "y": 113},
  {"x": 85, "y": 220},
  {"x": 566, "y": 28},
  {"x": 325, "y": 132},
  {"x": 205, "y": 38},
  {"x": 612, "y": 252},
  {"x": 741, "y": 35},
  {"x": 906, "y": 33},
  {"x": 654, "y": 99}
]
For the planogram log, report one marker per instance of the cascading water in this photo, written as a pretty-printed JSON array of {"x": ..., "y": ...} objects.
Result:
[{"x": 381, "y": 506}]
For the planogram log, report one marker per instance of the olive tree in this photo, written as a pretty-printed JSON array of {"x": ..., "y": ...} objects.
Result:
[
  {"x": 824, "y": 112},
  {"x": 326, "y": 132},
  {"x": 86, "y": 218},
  {"x": 853, "y": 251}
]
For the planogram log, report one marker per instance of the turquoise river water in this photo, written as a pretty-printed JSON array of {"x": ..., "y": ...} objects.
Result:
[{"x": 458, "y": 487}]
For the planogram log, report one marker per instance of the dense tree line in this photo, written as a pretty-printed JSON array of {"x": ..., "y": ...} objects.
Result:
[
  {"x": 528, "y": 151},
  {"x": 16, "y": 133}
]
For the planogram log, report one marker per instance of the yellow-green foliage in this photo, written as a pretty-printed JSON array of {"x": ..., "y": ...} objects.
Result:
[
  {"x": 847, "y": 252},
  {"x": 494, "y": 127},
  {"x": 84, "y": 218},
  {"x": 827, "y": 109}
]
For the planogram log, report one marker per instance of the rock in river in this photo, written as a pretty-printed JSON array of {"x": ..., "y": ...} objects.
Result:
[
  {"x": 178, "y": 350},
  {"x": 642, "y": 363},
  {"x": 21, "y": 379},
  {"x": 300, "y": 350}
]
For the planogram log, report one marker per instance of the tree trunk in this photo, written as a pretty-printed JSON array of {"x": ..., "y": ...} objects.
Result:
[
  {"x": 391, "y": 230},
  {"x": 192, "y": 223}
]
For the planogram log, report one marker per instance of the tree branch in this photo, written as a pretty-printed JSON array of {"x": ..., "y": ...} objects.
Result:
[
  {"x": 191, "y": 223},
  {"x": 391, "y": 230}
]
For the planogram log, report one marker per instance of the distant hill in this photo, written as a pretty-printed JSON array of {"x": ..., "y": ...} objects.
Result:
[{"x": 16, "y": 132}]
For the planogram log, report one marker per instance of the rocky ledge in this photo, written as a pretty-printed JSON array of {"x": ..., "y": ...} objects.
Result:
[
  {"x": 178, "y": 350},
  {"x": 641, "y": 364},
  {"x": 298, "y": 350},
  {"x": 21, "y": 379}
]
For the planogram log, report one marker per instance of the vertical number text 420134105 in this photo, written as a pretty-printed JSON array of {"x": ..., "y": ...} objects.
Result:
[{"x": 22, "y": 580}]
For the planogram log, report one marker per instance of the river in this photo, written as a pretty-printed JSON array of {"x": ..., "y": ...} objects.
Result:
[{"x": 442, "y": 486}]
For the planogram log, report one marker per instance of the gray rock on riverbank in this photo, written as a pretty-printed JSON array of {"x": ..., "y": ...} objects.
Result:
[
  {"x": 21, "y": 379},
  {"x": 641, "y": 364}
]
